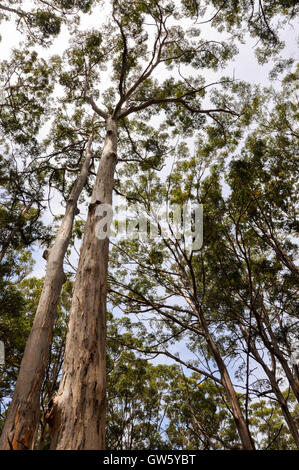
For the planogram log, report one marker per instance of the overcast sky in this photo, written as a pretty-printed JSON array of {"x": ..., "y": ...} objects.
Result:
[{"x": 244, "y": 67}]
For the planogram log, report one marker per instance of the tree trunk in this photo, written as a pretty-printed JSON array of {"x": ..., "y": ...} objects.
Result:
[
  {"x": 241, "y": 425},
  {"x": 24, "y": 412},
  {"x": 276, "y": 351},
  {"x": 242, "y": 428},
  {"x": 265, "y": 328},
  {"x": 77, "y": 414},
  {"x": 276, "y": 390},
  {"x": 284, "y": 408}
]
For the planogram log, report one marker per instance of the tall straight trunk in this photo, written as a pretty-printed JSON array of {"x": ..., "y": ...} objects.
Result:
[
  {"x": 276, "y": 390},
  {"x": 242, "y": 428},
  {"x": 24, "y": 412},
  {"x": 77, "y": 413},
  {"x": 241, "y": 425}
]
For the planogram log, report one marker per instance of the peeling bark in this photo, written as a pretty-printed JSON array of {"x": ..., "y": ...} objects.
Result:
[
  {"x": 24, "y": 412},
  {"x": 242, "y": 428},
  {"x": 77, "y": 416}
]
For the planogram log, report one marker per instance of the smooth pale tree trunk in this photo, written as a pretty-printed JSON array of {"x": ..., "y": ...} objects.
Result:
[
  {"x": 24, "y": 412},
  {"x": 280, "y": 398},
  {"x": 242, "y": 428},
  {"x": 77, "y": 413}
]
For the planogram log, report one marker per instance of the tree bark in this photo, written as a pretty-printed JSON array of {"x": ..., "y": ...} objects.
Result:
[
  {"x": 276, "y": 351},
  {"x": 241, "y": 425},
  {"x": 276, "y": 390},
  {"x": 77, "y": 414},
  {"x": 242, "y": 428},
  {"x": 24, "y": 412}
]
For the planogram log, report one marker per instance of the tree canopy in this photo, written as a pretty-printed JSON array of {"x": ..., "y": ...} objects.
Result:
[{"x": 155, "y": 342}]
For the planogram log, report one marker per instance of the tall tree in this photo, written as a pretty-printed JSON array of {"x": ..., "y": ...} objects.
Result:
[
  {"x": 140, "y": 39},
  {"x": 24, "y": 412},
  {"x": 83, "y": 385},
  {"x": 238, "y": 293}
]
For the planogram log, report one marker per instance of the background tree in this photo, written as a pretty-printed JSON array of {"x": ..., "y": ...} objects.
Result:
[
  {"x": 41, "y": 21},
  {"x": 26, "y": 400},
  {"x": 239, "y": 282},
  {"x": 132, "y": 53},
  {"x": 138, "y": 91},
  {"x": 15, "y": 329}
]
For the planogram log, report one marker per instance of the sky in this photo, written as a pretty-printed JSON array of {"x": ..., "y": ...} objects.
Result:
[{"x": 243, "y": 67}]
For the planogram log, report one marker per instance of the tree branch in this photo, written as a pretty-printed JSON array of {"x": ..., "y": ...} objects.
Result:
[
  {"x": 179, "y": 100},
  {"x": 95, "y": 107}
]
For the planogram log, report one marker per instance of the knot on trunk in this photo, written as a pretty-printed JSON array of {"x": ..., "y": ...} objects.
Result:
[
  {"x": 111, "y": 127},
  {"x": 46, "y": 254},
  {"x": 93, "y": 205}
]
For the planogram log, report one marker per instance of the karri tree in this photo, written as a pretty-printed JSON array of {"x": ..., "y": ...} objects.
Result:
[
  {"x": 153, "y": 58},
  {"x": 234, "y": 299}
]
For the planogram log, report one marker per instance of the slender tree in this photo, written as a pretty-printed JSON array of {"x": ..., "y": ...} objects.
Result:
[
  {"x": 139, "y": 39},
  {"x": 239, "y": 292},
  {"x": 24, "y": 412},
  {"x": 83, "y": 386}
]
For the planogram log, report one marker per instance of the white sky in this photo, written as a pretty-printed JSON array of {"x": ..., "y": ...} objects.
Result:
[{"x": 243, "y": 67}]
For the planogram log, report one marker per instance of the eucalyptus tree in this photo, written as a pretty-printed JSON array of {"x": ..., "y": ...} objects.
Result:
[
  {"x": 267, "y": 173},
  {"x": 236, "y": 299},
  {"x": 263, "y": 209},
  {"x": 158, "y": 406},
  {"x": 153, "y": 59},
  {"x": 140, "y": 38},
  {"x": 35, "y": 169},
  {"x": 20, "y": 433},
  {"x": 169, "y": 285}
]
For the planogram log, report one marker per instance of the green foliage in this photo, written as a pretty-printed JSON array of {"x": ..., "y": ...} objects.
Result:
[
  {"x": 244, "y": 280},
  {"x": 41, "y": 21},
  {"x": 47, "y": 22},
  {"x": 146, "y": 66},
  {"x": 261, "y": 19}
]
